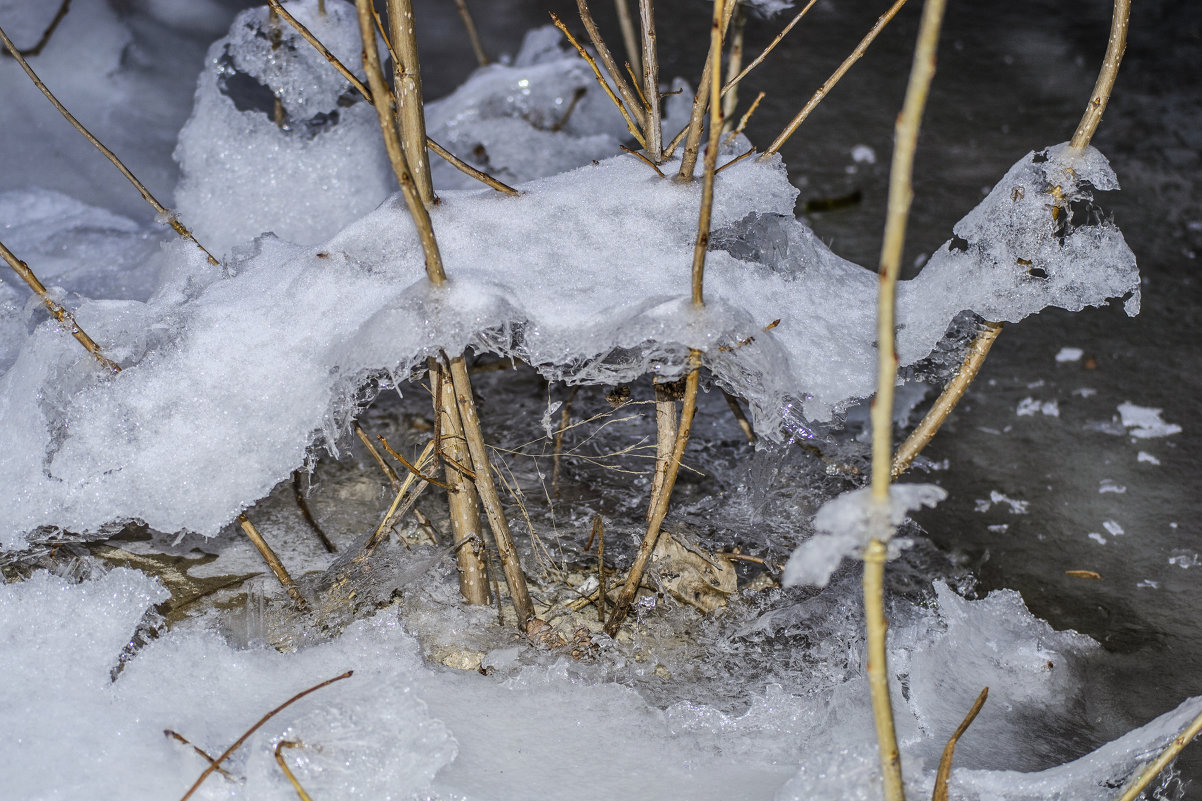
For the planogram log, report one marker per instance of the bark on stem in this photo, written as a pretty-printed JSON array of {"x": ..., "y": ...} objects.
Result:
[
  {"x": 692, "y": 142},
  {"x": 901, "y": 192},
  {"x": 652, "y": 129},
  {"x": 407, "y": 83},
  {"x": 273, "y": 561},
  {"x": 629, "y": 37},
  {"x": 1106, "y": 77},
  {"x": 711, "y": 154},
  {"x": 615, "y": 74}
]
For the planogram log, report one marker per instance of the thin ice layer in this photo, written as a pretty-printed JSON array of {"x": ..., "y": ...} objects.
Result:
[{"x": 229, "y": 378}]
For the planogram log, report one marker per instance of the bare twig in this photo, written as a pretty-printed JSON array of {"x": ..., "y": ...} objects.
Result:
[
  {"x": 407, "y": 86},
  {"x": 493, "y": 510},
  {"x": 302, "y": 503},
  {"x": 631, "y": 125},
  {"x": 246, "y": 735},
  {"x": 279, "y": 758},
  {"x": 44, "y": 39},
  {"x": 565, "y": 417},
  {"x": 746, "y": 117},
  {"x": 737, "y": 411},
  {"x": 472, "y": 34},
  {"x": 411, "y": 468},
  {"x": 1153, "y": 769},
  {"x": 692, "y": 131},
  {"x": 599, "y": 531},
  {"x": 174, "y": 735},
  {"x": 901, "y": 192},
  {"x": 468, "y": 169},
  {"x": 611, "y": 66},
  {"x": 732, "y": 83},
  {"x": 701, "y": 247},
  {"x": 1106, "y": 77},
  {"x": 949, "y": 750},
  {"x": 64, "y": 317},
  {"x": 167, "y": 215},
  {"x": 826, "y": 87},
  {"x": 629, "y": 37},
  {"x": 389, "y": 473},
  {"x": 308, "y": 36},
  {"x": 273, "y": 561},
  {"x": 665, "y": 442},
  {"x": 398, "y": 510},
  {"x": 641, "y": 157},
  {"x": 734, "y": 62},
  {"x": 736, "y": 159},
  {"x": 652, "y": 132}
]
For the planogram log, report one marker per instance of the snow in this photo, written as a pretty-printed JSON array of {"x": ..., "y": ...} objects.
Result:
[
  {"x": 1143, "y": 422},
  {"x": 1069, "y": 355}
]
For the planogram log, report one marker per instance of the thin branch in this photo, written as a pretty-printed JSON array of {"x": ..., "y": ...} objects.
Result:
[
  {"x": 279, "y": 758},
  {"x": 392, "y": 144},
  {"x": 629, "y": 37},
  {"x": 468, "y": 169},
  {"x": 1153, "y": 769},
  {"x": 398, "y": 510},
  {"x": 308, "y": 36},
  {"x": 1115, "y": 48},
  {"x": 611, "y": 66},
  {"x": 701, "y": 247},
  {"x": 652, "y": 132},
  {"x": 641, "y": 157},
  {"x": 949, "y": 750},
  {"x": 823, "y": 90},
  {"x": 630, "y": 123},
  {"x": 565, "y": 417},
  {"x": 64, "y": 317},
  {"x": 736, "y": 159},
  {"x": 174, "y": 735},
  {"x": 734, "y": 63},
  {"x": 246, "y": 735},
  {"x": 692, "y": 131},
  {"x": 746, "y": 117},
  {"x": 407, "y": 89},
  {"x": 472, "y": 34},
  {"x": 167, "y": 215},
  {"x": 46, "y": 34},
  {"x": 921, "y": 436},
  {"x": 922, "y": 71},
  {"x": 666, "y": 429},
  {"x": 273, "y": 561},
  {"x": 411, "y": 468},
  {"x": 734, "y": 82},
  {"x": 389, "y": 473},
  {"x": 737, "y": 411},
  {"x": 303, "y": 504}
]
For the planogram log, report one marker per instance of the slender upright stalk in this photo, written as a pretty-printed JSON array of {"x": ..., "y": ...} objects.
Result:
[
  {"x": 64, "y": 317},
  {"x": 1110, "y": 70},
  {"x": 701, "y": 246},
  {"x": 166, "y": 214},
  {"x": 629, "y": 38},
  {"x": 615, "y": 74},
  {"x": 901, "y": 192},
  {"x": 732, "y": 83},
  {"x": 1153, "y": 769},
  {"x": 823, "y": 90},
  {"x": 472, "y": 33},
  {"x": 652, "y": 130},
  {"x": 407, "y": 84},
  {"x": 273, "y": 561},
  {"x": 734, "y": 62}
]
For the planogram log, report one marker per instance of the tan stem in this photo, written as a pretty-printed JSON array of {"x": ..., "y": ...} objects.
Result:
[
  {"x": 392, "y": 144},
  {"x": 740, "y": 417},
  {"x": 273, "y": 561},
  {"x": 653, "y": 133},
  {"x": 407, "y": 84},
  {"x": 629, "y": 37},
  {"x": 472, "y": 33},
  {"x": 826, "y": 87},
  {"x": 711, "y": 155},
  {"x": 921, "y": 436},
  {"x": 64, "y": 317},
  {"x": 734, "y": 62},
  {"x": 611, "y": 66},
  {"x": 389, "y": 473},
  {"x": 464, "y": 505},
  {"x": 635, "y": 577},
  {"x": 506, "y": 550},
  {"x": 631, "y": 124},
  {"x": 878, "y": 670},
  {"x": 665, "y": 442},
  {"x": 1153, "y": 769},
  {"x": 279, "y": 758},
  {"x": 1115, "y": 48},
  {"x": 732, "y": 83},
  {"x": 692, "y": 132},
  {"x": 949, "y": 751},
  {"x": 167, "y": 215}
]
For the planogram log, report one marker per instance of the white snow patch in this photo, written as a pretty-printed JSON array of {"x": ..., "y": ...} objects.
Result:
[
  {"x": 1144, "y": 422},
  {"x": 1029, "y": 407},
  {"x": 1069, "y": 354}
]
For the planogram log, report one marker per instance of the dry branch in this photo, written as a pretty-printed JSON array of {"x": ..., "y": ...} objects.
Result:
[
  {"x": 279, "y": 758},
  {"x": 1153, "y": 769},
  {"x": 166, "y": 214},
  {"x": 273, "y": 561},
  {"x": 631, "y": 125},
  {"x": 611, "y": 66},
  {"x": 298, "y": 492},
  {"x": 652, "y": 133},
  {"x": 949, "y": 750},
  {"x": 472, "y": 34},
  {"x": 407, "y": 86},
  {"x": 629, "y": 37}
]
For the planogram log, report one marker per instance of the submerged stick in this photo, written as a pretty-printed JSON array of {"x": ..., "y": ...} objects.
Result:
[
  {"x": 472, "y": 34},
  {"x": 979, "y": 349},
  {"x": 64, "y": 317},
  {"x": 167, "y": 215},
  {"x": 246, "y": 735},
  {"x": 273, "y": 561},
  {"x": 901, "y": 192},
  {"x": 506, "y": 550},
  {"x": 826, "y": 87},
  {"x": 1153, "y": 769},
  {"x": 949, "y": 750}
]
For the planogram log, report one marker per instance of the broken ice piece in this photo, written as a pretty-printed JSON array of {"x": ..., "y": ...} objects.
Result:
[
  {"x": 1144, "y": 422},
  {"x": 1144, "y": 456},
  {"x": 1028, "y": 407},
  {"x": 1069, "y": 355}
]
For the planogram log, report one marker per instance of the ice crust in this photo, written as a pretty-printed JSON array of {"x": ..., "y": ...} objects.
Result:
[
  {"x": 586, "y": 276},
  {"x": 401, "y": 729}
]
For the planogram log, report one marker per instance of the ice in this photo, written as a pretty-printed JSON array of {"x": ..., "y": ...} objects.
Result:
[
  {"x": 1029, "y": 407},
  {"x": 846, "y": 524},
  {"x": 1144, "y": 422},
  {"x": 1112, "y": 527},
  {"x": 1069, "y": 354},
  {"x": 1144, "y": 456},
  {"x": 1017, "y": 507}
]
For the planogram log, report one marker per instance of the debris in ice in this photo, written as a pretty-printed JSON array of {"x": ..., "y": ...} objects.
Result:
[
  {"x": 1069, "y": 354},
  {"x": 863, "y": 154},
  {"x": 846, "y": 523},
  {"x": 1016, "y": 507},
  {"x": 1029, "y": 407},
  {"x": 1113, "y": 527},
  {"x": 1109, "y": 485},
  {"x": 691, "y": 574},
  {"x": 1144, "y": 422},
  {"x": 1098, "y": 538},
  {"x": 1085, "y": 392},
  {"x": 1184, "y": 559},
  {"x": 1144, "y": 456}
]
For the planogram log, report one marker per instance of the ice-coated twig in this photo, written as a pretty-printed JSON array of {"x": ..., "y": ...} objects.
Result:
[
  {"x": 1153, "y": 769},
  {"x": 611, "y": 66},
  {"x": 392, "y": 144},
  {"x": 487, "y": 489},
  {"x": 652, "y": 129},
  {"x": 732, "y": 83},
  {"x": 166, "y": 214},
  {"x": 630, "y": 123},
  {"x": 273, "y": 561},
  {"x": 279, "y": 758},
  {"x": 246, "y": 734},
  {"x": 629, "y": 37},
  {"x": 949, "y": 751},
  {"x": 980, "y": 346},
  {"x": 64, "y": 317},
  {"x": 826, "y": 87},
  {"x": 901, "y": 192},
  {"x": 472, "y": 34}
]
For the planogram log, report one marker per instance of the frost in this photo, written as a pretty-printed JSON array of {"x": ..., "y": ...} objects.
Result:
[
  {"x": 846, "y": 524},
  {"x": 1144, "y": 422}
]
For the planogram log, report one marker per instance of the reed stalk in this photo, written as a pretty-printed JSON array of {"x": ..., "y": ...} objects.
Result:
[
  {"x": 407, "y": 86},
  {"x": 653, "y": 134},
  {"x": 273, "y": 561},
  {"x": 472, "y": 34},
  {"x": 692, "y": 132}
]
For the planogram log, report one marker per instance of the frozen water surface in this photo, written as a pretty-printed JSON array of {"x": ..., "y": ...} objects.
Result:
[{"x": 227, "y": 386}]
